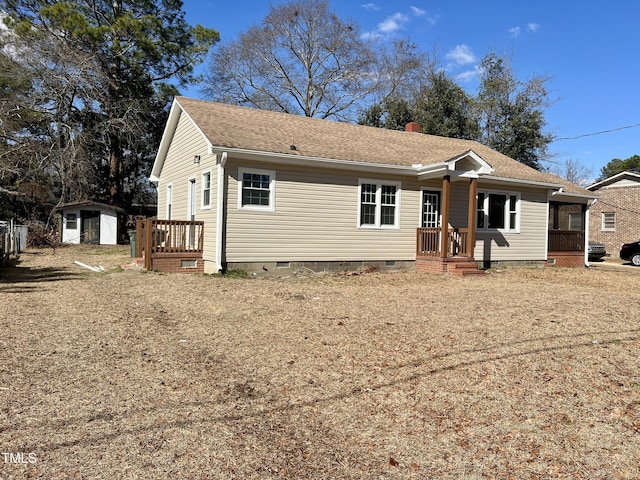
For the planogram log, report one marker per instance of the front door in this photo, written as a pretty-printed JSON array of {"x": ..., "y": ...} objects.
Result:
[
  {"x": 430, "y": 209},
  {"x": 90, "y": 227}
]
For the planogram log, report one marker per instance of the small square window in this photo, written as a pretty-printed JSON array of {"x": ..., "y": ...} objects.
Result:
[
  {"x": 256, "y": 189},
  {"x": 72, "y": 221},
  {"x": 608, "y": 221}
]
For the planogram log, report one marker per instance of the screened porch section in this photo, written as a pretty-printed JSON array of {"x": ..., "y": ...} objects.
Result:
[{"x": 567, "y": 234}]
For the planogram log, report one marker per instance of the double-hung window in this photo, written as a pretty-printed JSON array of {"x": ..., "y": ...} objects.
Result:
[
  {"x": 608, "y": 221},
  {"x": 379, "y": 204},
  {"x": 498, "y": 211},
  {"x": 206, "y": 189},
  {"x": 256, "y": 189}
]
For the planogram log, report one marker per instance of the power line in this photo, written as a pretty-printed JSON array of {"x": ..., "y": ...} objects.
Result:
[{"x": 598, "y": 133}]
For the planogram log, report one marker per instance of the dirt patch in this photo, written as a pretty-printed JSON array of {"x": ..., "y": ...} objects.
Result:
[{"x": 522, "y": 373}]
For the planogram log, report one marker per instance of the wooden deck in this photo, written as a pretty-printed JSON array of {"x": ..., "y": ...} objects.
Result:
[{"x": 169, "y": 242}]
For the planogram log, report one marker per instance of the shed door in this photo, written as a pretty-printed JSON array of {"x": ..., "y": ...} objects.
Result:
[{"x": 90, "y": 227}]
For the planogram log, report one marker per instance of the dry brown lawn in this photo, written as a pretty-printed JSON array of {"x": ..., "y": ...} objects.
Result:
[{"x": 522, "y": 373}]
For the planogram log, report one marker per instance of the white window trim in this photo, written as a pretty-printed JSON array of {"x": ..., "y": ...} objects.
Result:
[
  {"x": 605, "y": 229},
  {"x": 485, "y": 209},
  {"x": 204, "y": 206},
  {"x": 379, "y": 183},
  {"x": 272, "y": 189},
  {"x": 169, "y": 201}
]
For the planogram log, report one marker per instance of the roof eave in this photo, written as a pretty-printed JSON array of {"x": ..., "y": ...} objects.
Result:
[
  {"x": 533, "y": 183},
  {"x": 612, "y": 179},
  {"x": 272, "y": 157},
  {"x": 573, "y": 197}
]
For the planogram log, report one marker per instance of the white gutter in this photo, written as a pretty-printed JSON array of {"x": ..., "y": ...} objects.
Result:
[
  {"x": 221, "y": 194},
  {"x": 573, "y": 196},
  {"x": 287, "y": 159},
  {"x": 533, "y": 183}
]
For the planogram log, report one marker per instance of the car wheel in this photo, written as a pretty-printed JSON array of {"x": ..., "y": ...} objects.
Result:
[{"x": 635, "y": 260}]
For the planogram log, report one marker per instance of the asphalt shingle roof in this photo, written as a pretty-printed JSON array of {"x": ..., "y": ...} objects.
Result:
[{"x": 230, "y": 126}]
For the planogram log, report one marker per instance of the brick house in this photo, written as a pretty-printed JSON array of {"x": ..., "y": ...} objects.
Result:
[{"x": 615, "y": 217}]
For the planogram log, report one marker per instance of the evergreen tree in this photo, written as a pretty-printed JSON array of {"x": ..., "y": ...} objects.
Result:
[
  {"x": 617, "y": 165},
  {"x": 103, "y": 73}
]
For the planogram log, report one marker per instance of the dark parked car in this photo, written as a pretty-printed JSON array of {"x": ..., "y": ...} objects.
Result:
[
  {"x": 631, "y": 252},
  {"x": 596, "y": 251}
]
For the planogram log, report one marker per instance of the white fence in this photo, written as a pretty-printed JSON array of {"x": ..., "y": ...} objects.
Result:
[{"x": 13, "y": 240}]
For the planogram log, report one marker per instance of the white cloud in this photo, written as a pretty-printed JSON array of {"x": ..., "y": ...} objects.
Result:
[
  {"x": 369, "y": 36},
  {"x": 393, "y": 23},
  {"x": 370, "y": 6},
  {"x": 468, "y": 75},
  {"x": 533, "y": 27},
  {"x": 461, "y": 54}
]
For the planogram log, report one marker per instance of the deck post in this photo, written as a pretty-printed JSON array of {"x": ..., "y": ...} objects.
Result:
[
  {"x": 139, "y": 238},
  {"x": 446, "y": 204},
  {"x": 148, "y": 244},
  {"x": 471, "y": 218}
]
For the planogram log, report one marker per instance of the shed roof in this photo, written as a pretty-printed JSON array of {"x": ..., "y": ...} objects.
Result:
[{"x": 89, "y": 204}]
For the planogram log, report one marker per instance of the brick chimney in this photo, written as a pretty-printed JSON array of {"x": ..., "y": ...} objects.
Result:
[{"x": 413, "y": 127}]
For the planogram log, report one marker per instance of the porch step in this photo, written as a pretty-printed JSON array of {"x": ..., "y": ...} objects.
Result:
[
  {"x": 458, "y": 266},
  {"x": 463, "y": 269}
]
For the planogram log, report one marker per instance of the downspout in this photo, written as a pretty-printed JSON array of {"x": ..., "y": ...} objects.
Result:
[
  {"x": 221, "y": 160},
  {"x": 587, "y": 215},
  {"x": 546, "y": 237}
]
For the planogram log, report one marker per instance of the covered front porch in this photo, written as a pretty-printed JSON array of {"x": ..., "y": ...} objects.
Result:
[{"x": 450, "y": 249}]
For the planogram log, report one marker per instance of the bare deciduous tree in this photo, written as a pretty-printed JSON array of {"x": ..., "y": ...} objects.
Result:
[{"x": 302, "y": 59}]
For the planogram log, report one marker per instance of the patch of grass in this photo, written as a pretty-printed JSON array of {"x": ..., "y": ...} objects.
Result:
[{"x": 232, "y": 274}]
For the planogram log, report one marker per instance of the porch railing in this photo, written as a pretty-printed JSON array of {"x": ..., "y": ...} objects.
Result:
[
  {"x": 428, "y": 242},
  {"x": 566, "y": 240},
  {"x": 168, "y": 236}
]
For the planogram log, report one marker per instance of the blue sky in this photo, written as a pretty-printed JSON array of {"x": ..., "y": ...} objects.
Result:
[{"x": 590, "y": 50}]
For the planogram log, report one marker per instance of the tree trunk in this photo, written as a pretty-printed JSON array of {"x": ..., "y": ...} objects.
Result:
[{"x": 115, "y": 170}]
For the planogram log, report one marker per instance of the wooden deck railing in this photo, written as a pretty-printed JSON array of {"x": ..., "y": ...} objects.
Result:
[
  {"x": 428, "y": 242},
  {"x": 566, "y": 240},
  {"x": 168, "y": 236}
]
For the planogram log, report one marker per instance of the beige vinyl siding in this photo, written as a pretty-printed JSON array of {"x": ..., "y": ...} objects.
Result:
[
  {"x": 315, "y": 219},
  {"x": 459, "y": 204},
  {"x": 530, "y": 243},
  {"x": 316, "y": 211},
  {"x": 178, "y": 168}
]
